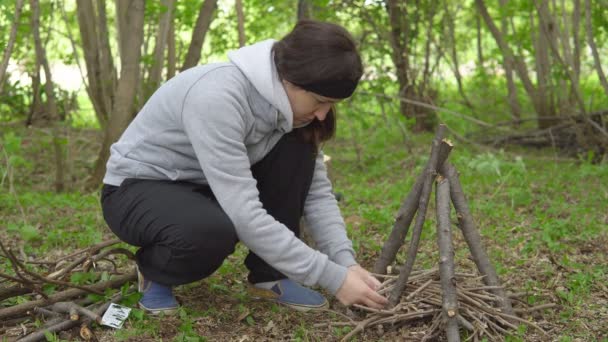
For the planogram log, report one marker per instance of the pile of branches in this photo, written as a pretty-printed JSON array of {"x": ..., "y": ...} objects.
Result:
[
  {"x": 423, "y": 305},
  {"x": 572, "y": 135},
  {"x": 451, "y": 300},
  {"x": 69, "y": 306}
]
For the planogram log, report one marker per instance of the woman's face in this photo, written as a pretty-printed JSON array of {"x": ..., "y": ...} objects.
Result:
[{"x": 306, "y": 105}]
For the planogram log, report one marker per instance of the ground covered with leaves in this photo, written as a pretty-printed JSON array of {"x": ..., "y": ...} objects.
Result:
[{"x": 543, "y": 220}]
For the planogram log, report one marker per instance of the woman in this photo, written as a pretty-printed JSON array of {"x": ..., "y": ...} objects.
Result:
[{"x": 229, "y": 152}]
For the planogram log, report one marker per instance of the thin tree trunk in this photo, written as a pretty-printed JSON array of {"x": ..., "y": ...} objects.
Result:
[
  {"x": 304, "y": 9},
  {"x": 171, "y": 59},
  {"x": 478, "y": 40},
  {"x": 240, "y": 22},
  {"x": 205, "y": 16},
  {"x": 454, "y": 54},
  {"x": 87, "y": 23},
  {"x": 576, "y": 23},
  {"x": 11, "y": 42},
  {"x": 427, "y": 48},
  {"x": 106, "y": 64},
  {"x": 51, "y": 104},
  {"x": 36, "y": 105},
  {"x": 548, "y": 26},
  {"x": 541, "y": 39},
  {"x": 511, "y": 87},
  {"x": 446, "y": 259},
  {"x": 516, "y": 61},
  {"x": 121, "y": 24},
  {"x": 400, "y": 54},
  {"x": 132, "y": 38},
  {"x": 75, "y": 54},
  {"x": 593, "y": 47},
  {"x": 160, "y": 44}
]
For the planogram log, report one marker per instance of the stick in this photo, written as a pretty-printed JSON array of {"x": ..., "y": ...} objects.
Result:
[
  {"x": 92, "y": 249},
  {"x": 422, "y": 287},
  {"x": 472, "y": 237},
  {"x": 422, "y": 206},
  {"x": 39, "y": 335},
  {"x": 446, "y": 259},
  {"x": 68, "y": 324},
  {"x": 74, "y": 310},
  {"x": 65, "y": 295},
  {"x": 406, "y": 214}
]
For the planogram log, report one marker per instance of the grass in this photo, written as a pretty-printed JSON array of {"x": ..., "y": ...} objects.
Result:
[{"x": 543, "y": 221}]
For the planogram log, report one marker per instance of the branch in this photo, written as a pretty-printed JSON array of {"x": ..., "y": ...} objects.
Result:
[
  {"x": 430, "y": 174},
  {"x": 65, "y": 295},
  {"x": 406, "y": 214},
  {"x": 446, "y": 258},
  {"x": 472, "y": 237}
]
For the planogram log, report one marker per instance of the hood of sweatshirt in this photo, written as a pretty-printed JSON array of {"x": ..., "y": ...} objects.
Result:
[{"x": 257, "y": 63}]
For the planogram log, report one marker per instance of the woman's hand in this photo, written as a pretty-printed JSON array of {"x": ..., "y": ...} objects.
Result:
[{"x": 360, "y": 287}]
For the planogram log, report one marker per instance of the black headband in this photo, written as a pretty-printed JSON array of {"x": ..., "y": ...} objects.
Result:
[{"x": 339, "y": 89}]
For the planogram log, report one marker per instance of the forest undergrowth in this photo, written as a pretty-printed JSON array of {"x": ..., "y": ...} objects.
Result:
[{"x": 542, "y": 217}]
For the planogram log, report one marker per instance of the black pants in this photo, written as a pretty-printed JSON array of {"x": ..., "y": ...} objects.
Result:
[{"x": 183, "y": 233}]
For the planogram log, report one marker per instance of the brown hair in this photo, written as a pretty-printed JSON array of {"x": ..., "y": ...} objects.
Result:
[{"x": 322, "y": 58}]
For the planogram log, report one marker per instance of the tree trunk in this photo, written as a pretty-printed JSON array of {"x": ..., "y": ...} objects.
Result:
[
  {"x": 593, "y": 47},
  {"x": 51, "y": 104},
  {"x": 552, "y": 31},
  {"x": 541, "y": 41},
  {"x": 511, "y": 87},
  {"x": 516, "y": 61},
  {"x": 478, "y": 40},
  {"x": 132, "y": 39},
  {"x": 304, "y": 9},
  {"x": 451, "y": 36},
  {"x": 240, "y": 22},
  {"x": 11, "y": 42},
  {"x": 171, "y": 59},
  {"x": 399, "y": 54},
  {"x": 106, "y": 64},
  {"x": 36, "y": 105},
  {"x": 160, "y": 44},
  {"x": 97, "y": 89},
  {"x": 205, "y": 16},
  {"x": 404, "y": 29}
]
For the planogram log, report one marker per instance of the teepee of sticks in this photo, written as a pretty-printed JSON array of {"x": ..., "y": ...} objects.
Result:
[{"x": 453, "y": 300}]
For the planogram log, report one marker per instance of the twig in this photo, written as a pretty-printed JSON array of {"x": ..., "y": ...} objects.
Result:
[
  {"x": 91, "y": 249},
  {"x": 74, "y": 310},
  {"x": 57, "y": 282},
  {"x": 418, "y": 290},
  {"x": 372, "y": 310}
]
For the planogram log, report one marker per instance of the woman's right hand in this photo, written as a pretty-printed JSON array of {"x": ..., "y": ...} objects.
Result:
[{"x": 355, "y": 290}]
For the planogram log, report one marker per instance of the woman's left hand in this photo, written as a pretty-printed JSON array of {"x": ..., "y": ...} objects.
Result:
[{"x": 369, "y": 279}]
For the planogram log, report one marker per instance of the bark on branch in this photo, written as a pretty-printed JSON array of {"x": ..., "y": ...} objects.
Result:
[
  {"x": 446, "y": 259},
  {"x": 473, "y": 239},
  {"x": 427, "y": 185},
  {"x": 405, "y": 215},
  {"x": 65, "y": 295}
]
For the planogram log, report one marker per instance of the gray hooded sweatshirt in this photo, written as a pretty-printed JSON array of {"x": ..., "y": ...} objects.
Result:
[{"x": 208, "y": 125}]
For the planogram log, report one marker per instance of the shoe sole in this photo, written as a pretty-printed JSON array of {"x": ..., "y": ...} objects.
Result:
[
  {"x": 165, "y": 311},
  {"x": 269, "y": 296}
]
